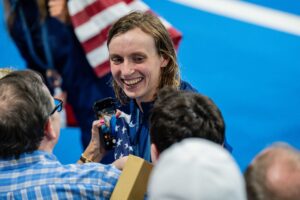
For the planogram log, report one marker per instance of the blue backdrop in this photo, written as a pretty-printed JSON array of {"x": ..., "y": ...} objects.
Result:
[{"x": 251, "y": 72}]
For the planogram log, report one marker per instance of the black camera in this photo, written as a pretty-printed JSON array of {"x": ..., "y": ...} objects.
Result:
[{"x": 106, "y": 109}]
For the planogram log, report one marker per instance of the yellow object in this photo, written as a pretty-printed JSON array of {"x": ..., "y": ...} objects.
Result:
[{"x": 133, "y": 180}]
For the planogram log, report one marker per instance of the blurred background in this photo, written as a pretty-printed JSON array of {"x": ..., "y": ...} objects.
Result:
[{"x": 245, "y": 55}]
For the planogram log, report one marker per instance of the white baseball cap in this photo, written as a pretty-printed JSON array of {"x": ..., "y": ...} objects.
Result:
[{"x": 196, "y": 169}]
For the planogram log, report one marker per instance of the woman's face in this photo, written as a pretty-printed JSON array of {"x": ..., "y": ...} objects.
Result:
[{"x": 135, "y": 64}]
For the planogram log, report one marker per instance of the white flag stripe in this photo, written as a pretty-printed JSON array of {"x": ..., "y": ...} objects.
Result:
[
  {"x": 98, "y": 56},
  {"x": 247, "y": 12},
  {"x": 76, "y": 6},
  {"x": 138, "y": 6},
  {"x": 101, "y": 21},
  {"x": 141, "y": 6}
]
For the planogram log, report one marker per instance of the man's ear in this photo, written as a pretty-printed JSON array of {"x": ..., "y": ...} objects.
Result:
[
  {"x": 154, "y": 153},
  {"x": 49, "y": 133}
]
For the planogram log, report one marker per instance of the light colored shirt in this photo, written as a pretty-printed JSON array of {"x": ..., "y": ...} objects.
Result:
[{"x": 40, "y": 175}]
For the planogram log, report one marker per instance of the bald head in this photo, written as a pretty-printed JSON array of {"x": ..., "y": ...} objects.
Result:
[
  {"x": 4, "y": 71},
  {"x": 274, "y": 174}
]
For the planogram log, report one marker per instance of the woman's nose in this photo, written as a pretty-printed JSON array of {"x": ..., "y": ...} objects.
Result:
[{"x": 127, "y": 68}]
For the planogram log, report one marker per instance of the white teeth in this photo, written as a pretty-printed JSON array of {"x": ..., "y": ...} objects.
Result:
[{"x": 132, "y": 81}]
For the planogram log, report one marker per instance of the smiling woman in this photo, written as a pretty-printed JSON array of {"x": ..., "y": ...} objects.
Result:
[
  {"x": 135, "y": 64},
  {"x": 143, "y": 60},
  {"x": 141, "y": 41}
]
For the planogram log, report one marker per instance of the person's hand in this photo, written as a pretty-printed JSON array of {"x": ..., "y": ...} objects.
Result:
[
  {"x": 59, "y": 10},
  {"x": 94, "y": 150},
  {"x": 120, "y": 163},
  {"x": 120, "y": 114}
]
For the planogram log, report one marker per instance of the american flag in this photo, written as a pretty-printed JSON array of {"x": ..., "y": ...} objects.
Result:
[
  {"x": 93, "y": 18},
  {"x": 120, "y": 130}
]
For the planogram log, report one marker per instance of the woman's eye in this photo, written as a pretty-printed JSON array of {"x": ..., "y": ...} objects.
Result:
[
  {"x": 116, "y": 60},
  {"x": 138, "y": 59}
]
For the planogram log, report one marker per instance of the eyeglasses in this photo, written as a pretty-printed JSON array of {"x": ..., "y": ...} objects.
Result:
[{"x": 58, "y": 106}]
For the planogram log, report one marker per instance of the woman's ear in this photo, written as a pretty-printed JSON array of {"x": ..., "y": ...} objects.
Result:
[{"x": 164, "y": 61}]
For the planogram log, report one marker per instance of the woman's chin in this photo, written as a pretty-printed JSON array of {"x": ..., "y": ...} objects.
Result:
[
  {"x": 131, "y": 95},
  {"x": 132, "y": 91}
]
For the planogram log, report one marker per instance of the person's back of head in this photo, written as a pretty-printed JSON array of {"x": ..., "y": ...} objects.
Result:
[
  {"x": 177, "y": 115},
  {"x": 24, "y": 109},
  {"x": 196, "y": 169},
  {"x": 274, "y": 174}
]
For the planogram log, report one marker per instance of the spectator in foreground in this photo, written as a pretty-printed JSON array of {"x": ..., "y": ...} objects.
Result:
[
  {"x": 274, "y": 174},
  {"x": 29, "y": 130},
  {"x": 196, "y": 169},
  {"x": 177, "y": 115}
]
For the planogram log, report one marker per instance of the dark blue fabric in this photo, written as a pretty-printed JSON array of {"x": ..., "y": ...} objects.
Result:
[{"x": 79, "y": 81}]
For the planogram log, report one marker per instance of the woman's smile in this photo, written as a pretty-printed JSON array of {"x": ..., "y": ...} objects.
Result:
[{"x": 132, "y": 82}]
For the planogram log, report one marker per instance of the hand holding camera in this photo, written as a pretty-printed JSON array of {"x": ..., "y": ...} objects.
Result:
[
  {"x": 94, "y": 151},
  {"x": 105, "y": 110}
]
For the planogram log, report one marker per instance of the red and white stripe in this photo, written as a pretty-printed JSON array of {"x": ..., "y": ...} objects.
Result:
[{"x": 92, "y": 19}]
